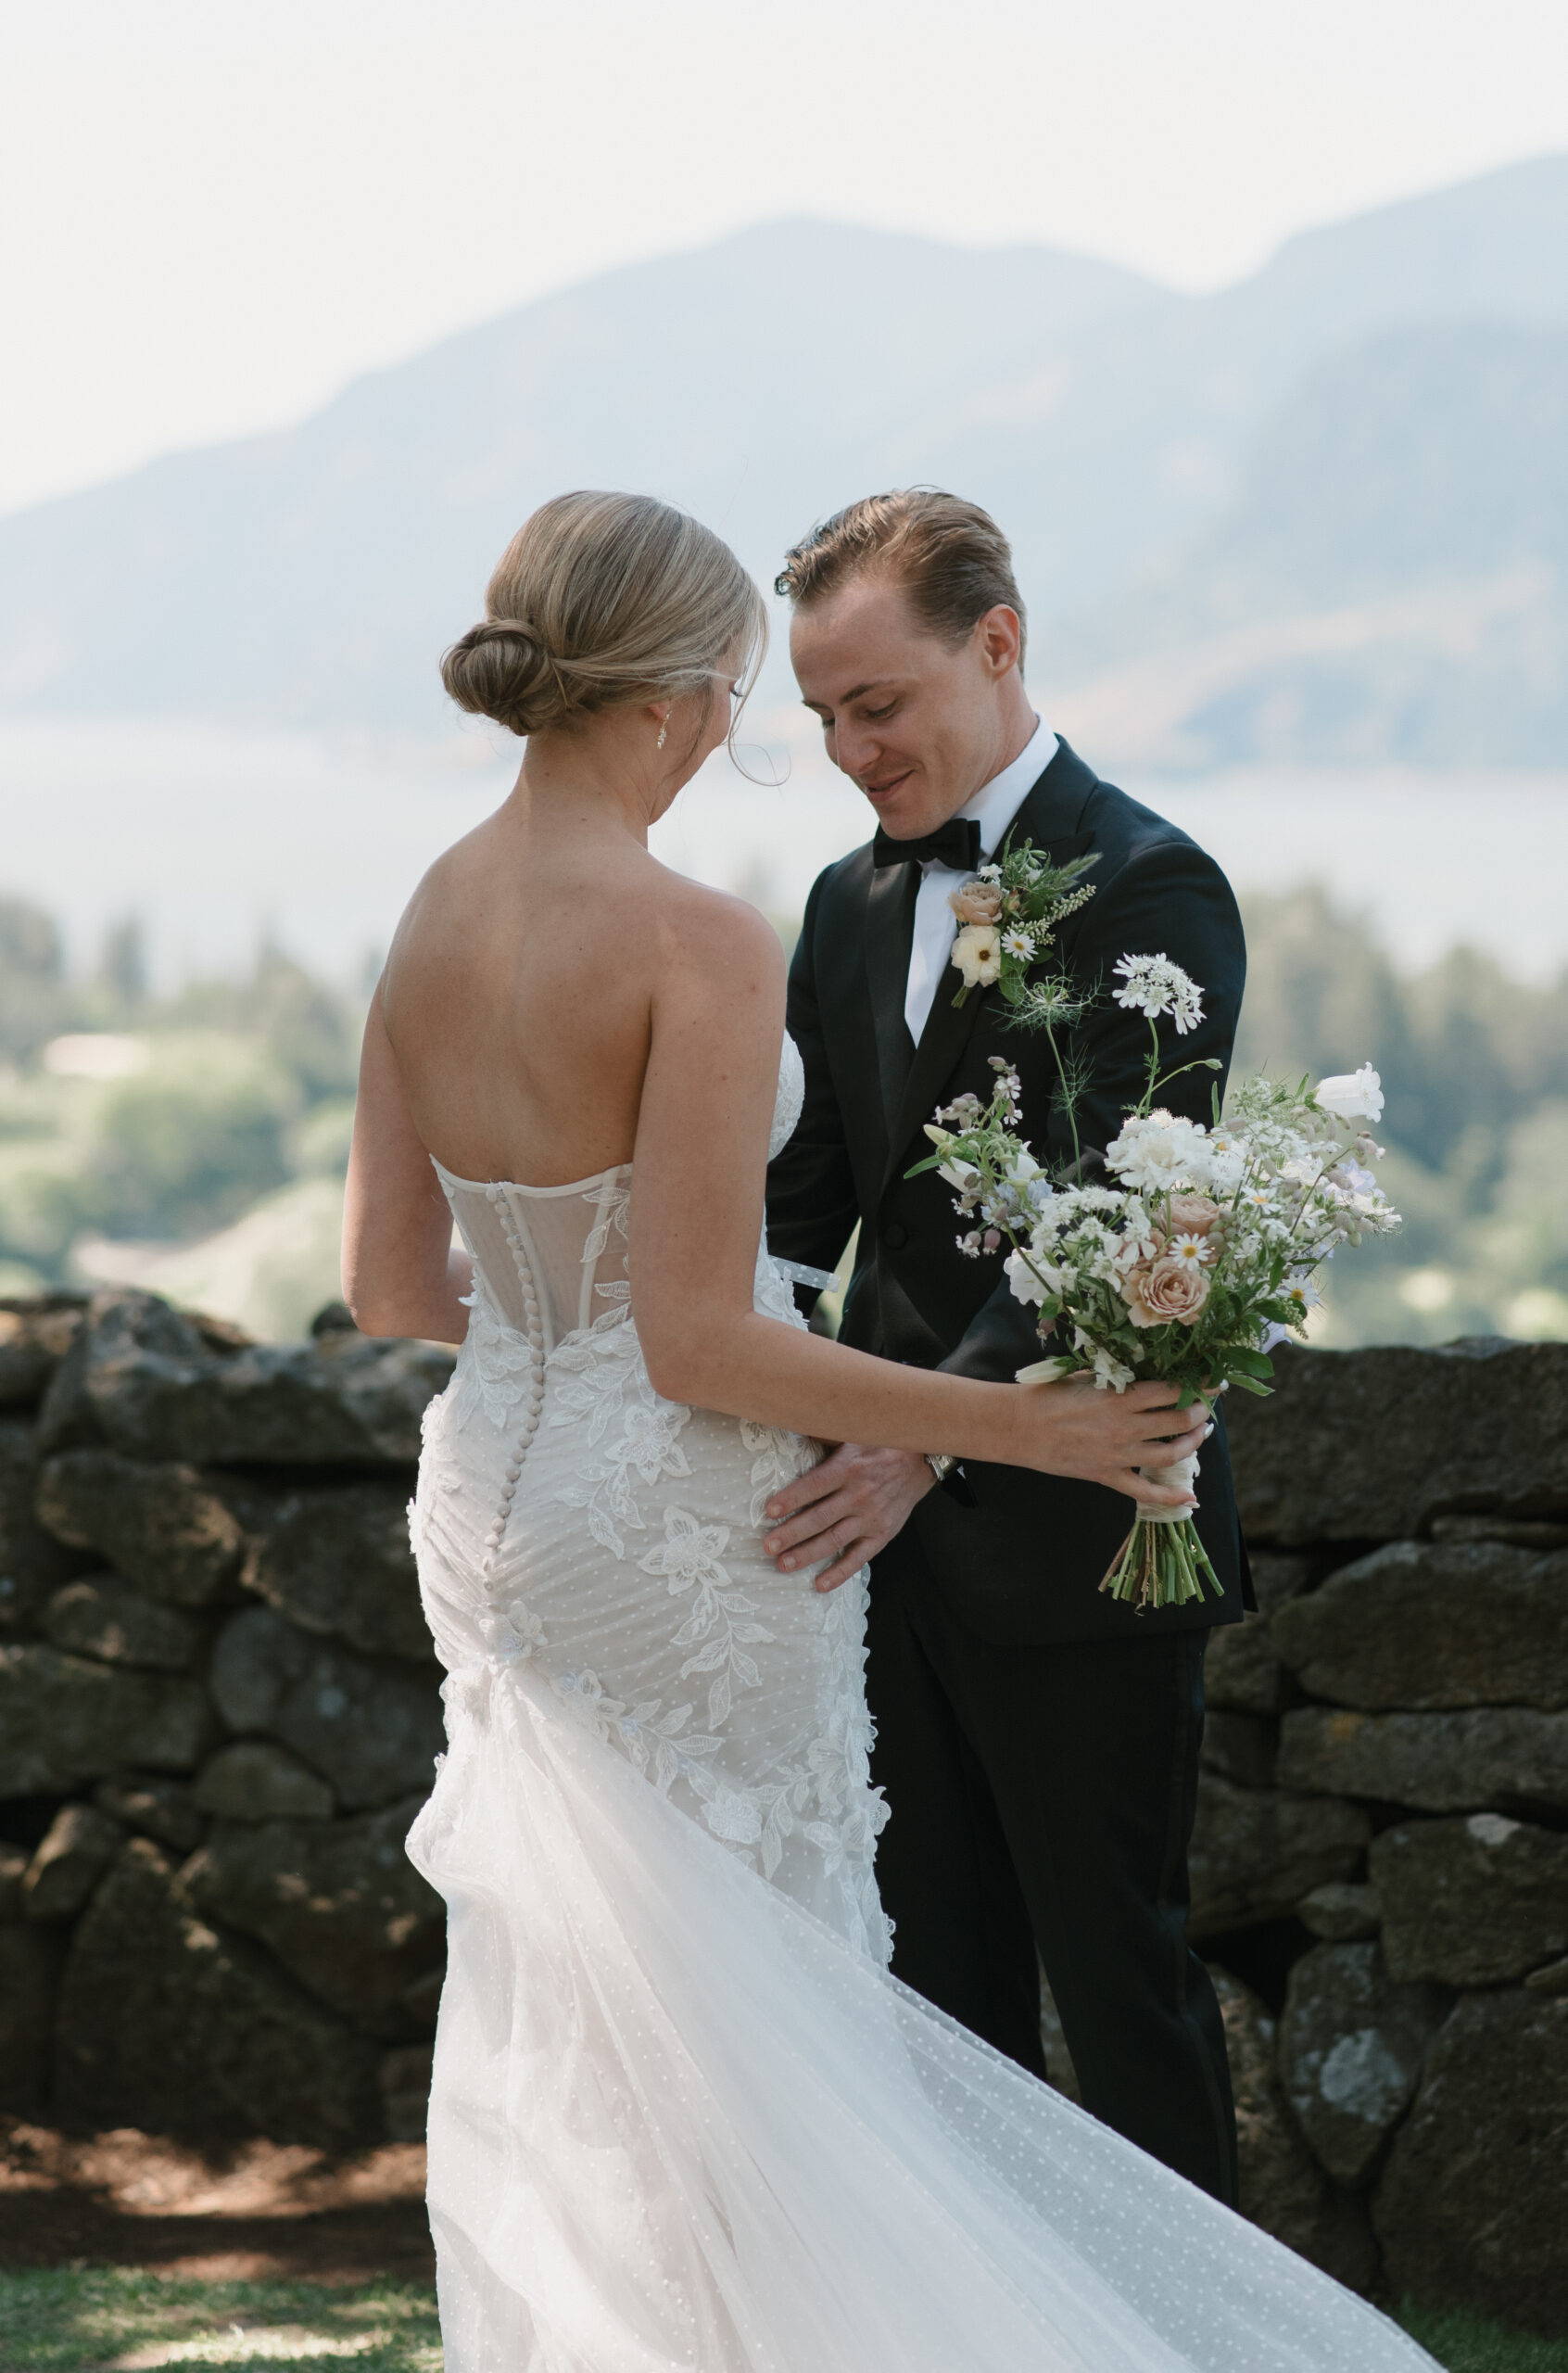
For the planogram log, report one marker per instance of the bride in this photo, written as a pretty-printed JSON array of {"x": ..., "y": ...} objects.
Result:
[{"x": 681, "y": 2115}]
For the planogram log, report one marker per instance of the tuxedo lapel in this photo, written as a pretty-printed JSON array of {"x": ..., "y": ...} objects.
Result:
[
  {"x": 890, "y": 927},
  {"x": 946, "y": 1035},
  {"x": 1049, "y": 817}
]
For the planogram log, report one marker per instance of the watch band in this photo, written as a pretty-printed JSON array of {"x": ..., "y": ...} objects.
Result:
[{"x": 941, "y": 1465}]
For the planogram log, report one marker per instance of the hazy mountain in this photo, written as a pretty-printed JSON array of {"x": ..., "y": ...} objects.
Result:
[
  {"x": 1390, "y": 579},
  {"x": 1365, "y": 423}
]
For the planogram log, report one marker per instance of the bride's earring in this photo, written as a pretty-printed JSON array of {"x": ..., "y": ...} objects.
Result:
[{"x": 662, "y": 731}]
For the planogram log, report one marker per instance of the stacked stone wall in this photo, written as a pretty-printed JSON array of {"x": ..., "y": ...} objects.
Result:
[{"x": 218, "y": 1712}]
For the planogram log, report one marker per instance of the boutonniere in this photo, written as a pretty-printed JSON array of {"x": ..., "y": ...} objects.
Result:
[{"x": 1007, "y": 916}]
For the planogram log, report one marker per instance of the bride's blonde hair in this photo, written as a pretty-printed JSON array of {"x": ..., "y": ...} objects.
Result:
[{"x": 601, "y": 601}]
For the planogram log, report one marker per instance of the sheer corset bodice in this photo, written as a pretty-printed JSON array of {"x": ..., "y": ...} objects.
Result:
[{"x": 551, "y": 1259}]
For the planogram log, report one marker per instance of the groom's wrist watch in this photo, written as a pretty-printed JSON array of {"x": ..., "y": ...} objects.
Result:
[{"x": 939, "y": 1464}]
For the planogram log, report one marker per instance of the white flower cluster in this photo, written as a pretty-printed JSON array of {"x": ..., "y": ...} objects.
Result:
[
  {"x": 1162, "y": 1149},
  {"x": 1212, "y": 1234},
  {"x": 1153, "y": 986}
]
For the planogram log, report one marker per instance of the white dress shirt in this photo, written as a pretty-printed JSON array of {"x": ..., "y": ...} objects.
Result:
[{"x": 992, "y": 809}]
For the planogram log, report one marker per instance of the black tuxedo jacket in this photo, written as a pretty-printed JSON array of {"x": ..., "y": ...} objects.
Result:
[{"x": 1022, "y": 1561}]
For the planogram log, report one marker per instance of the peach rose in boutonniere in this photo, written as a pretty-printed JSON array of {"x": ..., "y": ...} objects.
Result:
[{"x": 977, "y": 902}]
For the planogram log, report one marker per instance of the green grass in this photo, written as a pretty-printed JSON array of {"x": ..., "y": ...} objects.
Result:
[
  {"x": 1468, "y": 2343},
  {"x": 101, "y": 2319},
  {"x": 61, "y": 2320}
]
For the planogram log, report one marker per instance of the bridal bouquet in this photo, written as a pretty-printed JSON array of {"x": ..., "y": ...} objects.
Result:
[{"x": 1199, "y": 1251}]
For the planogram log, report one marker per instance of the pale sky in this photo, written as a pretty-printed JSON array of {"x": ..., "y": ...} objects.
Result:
[{"x": 213, "y": 214}]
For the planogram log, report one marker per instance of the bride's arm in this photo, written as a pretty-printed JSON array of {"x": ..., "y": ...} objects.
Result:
[
  {"x": 696, "y": 1218},
  {"x": 400, "y": 1275}
]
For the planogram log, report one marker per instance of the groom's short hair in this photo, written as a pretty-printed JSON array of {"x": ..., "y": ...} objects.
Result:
[{"x": 949, "y": 555}]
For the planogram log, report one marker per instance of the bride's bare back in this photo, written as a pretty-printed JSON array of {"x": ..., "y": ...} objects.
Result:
[{"x": 518, "y": 996}]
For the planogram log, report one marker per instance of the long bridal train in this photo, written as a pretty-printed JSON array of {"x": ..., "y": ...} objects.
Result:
[{"x": 682, "y": 2117}]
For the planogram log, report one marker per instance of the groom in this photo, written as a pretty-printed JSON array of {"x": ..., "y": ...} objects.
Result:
[{"x": 1037, "y": 1741}]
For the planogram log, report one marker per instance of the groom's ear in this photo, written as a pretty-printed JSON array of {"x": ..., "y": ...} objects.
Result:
[{"x": 999, "y": 637}]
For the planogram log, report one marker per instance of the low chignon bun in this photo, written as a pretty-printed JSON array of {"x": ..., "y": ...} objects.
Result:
[
  {"x": 601, "y": 600},
  {"x": 500, "y": 670}
]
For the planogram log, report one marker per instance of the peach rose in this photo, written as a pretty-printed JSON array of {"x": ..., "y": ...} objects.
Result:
[
  {"x": 1191, "y": 1214},
  {"x": 977, "y": 902},
  {"x": 1158, "y": 1291}
]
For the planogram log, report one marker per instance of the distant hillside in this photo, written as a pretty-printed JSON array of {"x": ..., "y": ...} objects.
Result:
[
  {"x": 1390, "y": 579},
  {"x": 1310, "y": 515}
]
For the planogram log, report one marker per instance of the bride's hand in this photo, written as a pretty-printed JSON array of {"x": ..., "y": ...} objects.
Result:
[{"x": 1101, "y": 1437}]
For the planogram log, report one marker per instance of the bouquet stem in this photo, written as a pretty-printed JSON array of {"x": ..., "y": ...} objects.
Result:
[
  {"x": 1162, "y": 1562},
  {"x": 1160, "y": 1565}
]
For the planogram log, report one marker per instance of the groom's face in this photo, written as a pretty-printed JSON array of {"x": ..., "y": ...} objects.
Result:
[{"x": 920, "y": 724}]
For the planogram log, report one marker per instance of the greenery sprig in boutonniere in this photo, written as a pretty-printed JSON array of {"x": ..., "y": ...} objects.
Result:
[{"x": 1007, "y": 916}]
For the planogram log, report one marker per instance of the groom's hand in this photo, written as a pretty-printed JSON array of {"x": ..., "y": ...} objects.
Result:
[{"x": 845, "y": 1510}]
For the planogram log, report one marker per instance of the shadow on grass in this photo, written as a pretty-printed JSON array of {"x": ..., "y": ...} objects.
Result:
[
  {"x": 123, "y": 2319},
  {"x": 1467, "y": 2343},
  {"x": 120, "y": 2319}
]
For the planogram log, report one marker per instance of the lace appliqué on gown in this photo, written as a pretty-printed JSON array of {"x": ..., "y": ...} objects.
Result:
[{"x": 680, "y": 2117}]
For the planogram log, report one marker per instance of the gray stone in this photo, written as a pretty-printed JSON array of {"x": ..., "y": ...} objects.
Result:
[
  {"x": 1255, "y": 1855},
  {"x": 1352, "y": 2045},
  {"x": 336, "y": 1559},
  {"x": 1518, "y": 1532},
  {"x": 30, "y": 1973},
  {"x": 1500, "y": 1758},
  {"x": 339, "y": 1903},
  {"x": 169, "y": 2024},
  {"x": 76, "y": 1850},
  {"x": 176, "y": 1533},
  {"x": 1241, "y": 1672},
  {"x": 1060, "y": 2074},
  {"x": 421, "y": 2001},
  {"x": 34, "y": 1337},
  {"x": 1373, "y": 1445},
  {"x": 1276, "y": 1576},
  {"x": 256, "y": 1781},
  {"x": 1473, "y": 2203},
  {"x": 1241, "y": 1747},
  {"x": 153, "y": 1806},
  {"x": 373, "y": 1729},
  {"x": 14, "y": 1861},
  {"x": 1283, "y": 2190},
  {"x": 1473, "y": 1902},
  {"x": 1429, "y": 1624},
  {"x": 102, "y": 1617},
  {"x": 1553, "y": 1979},
  {"x": 405, "y": 2091},
  {"x": 1342, "y": 1912},
  {"x": 32, "y": 1564},
  {"x": 160, "y": 1386},
  {"x": 123, "y": 1328},
  {"x": 64, "y": 1722}
]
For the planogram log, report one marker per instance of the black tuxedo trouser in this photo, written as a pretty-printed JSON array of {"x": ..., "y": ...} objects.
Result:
[{"x": 1043, "y": 1796}]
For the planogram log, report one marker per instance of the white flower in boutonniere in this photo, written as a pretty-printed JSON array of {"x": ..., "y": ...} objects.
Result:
[
  {"x": 977, "y": 951},
  {"x": 1013, "y": 907}
]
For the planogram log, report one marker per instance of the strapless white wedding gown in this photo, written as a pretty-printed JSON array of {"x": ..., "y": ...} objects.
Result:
[{"x": 681, "y": 2116}]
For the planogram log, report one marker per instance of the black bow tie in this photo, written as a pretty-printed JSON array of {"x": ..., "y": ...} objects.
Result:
[{"x": 956, "y": 842}]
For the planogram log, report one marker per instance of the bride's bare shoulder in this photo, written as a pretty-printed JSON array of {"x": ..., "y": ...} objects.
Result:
[{"x": 710, "y": 933}]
